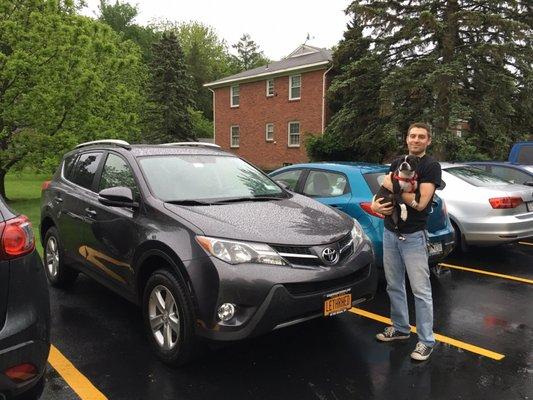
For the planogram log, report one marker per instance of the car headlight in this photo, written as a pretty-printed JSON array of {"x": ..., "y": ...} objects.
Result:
[
  {"x": 235, "y": 252},
  {"x": 357, "y": 234}
]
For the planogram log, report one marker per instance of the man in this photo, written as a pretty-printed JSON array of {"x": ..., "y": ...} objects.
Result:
[{"x": 411, "y": 254}]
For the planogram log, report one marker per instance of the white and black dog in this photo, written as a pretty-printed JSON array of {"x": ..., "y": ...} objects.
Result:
[{"x": 404, "y": 180}]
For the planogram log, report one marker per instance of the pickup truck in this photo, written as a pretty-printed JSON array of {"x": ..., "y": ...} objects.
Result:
[{"x": 521, "y": 153}]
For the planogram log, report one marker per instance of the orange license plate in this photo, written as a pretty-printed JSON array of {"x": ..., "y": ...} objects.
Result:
[{"x": 337, "y": 304}]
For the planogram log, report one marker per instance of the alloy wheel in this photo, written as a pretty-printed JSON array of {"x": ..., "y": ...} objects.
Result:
[
  {"x": 52, "y": 256},
  {"x": 164, "y": 317}
]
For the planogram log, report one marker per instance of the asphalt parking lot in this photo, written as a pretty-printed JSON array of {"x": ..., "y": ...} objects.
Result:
[{"x": 482, "y": 315}]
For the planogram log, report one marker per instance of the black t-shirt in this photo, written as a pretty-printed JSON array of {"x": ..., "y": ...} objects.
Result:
[{"x": 428, "y": 171}]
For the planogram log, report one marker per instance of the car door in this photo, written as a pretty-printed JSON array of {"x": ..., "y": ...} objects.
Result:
[
  {"x": 113, "y": 234},
  {"x": 73, "y": 198},
  {"x": 329, "y": 187}
]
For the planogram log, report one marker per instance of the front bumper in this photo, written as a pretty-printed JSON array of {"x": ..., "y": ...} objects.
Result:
[
  {"x": 271, "y": 297},
  {"x": 25, "y": 335}
]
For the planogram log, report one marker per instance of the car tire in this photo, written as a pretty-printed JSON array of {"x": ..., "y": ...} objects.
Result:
[
  {"x": 460, "y": 243},
  {"x": 59, "y": 274},
  {"x": 169, "y": 321}
]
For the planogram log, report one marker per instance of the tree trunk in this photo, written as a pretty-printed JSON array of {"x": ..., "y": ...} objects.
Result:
[{"x": 2, "y": 184}]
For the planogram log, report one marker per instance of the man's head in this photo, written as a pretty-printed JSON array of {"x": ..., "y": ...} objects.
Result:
[{"x": 418, "y": 138}]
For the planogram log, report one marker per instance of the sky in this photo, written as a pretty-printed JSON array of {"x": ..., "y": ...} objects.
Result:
[{"x": 277, "y": 26}]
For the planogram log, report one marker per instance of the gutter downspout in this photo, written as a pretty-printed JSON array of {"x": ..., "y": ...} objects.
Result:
[
  {"x": 324, "y": 98},
  {"x": 214, "y": 121}
]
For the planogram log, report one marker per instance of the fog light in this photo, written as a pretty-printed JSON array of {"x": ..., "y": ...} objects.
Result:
[{"x": 226, "y": 312}]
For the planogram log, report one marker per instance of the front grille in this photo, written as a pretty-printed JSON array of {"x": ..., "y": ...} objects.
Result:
[
  {"x": 308, "y": 288},
  {"x": 345, "y": 240},
  {"x": 292, "y": 249}
]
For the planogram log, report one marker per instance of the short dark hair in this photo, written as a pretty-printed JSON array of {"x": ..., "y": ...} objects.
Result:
[{"x": 422, "y": 125}]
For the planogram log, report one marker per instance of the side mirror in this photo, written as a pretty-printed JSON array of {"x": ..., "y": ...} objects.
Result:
[
  {"x": 118, "y": 196},
  {"x": 284, "y": 185},
  {"x": 528, "y": 183}
]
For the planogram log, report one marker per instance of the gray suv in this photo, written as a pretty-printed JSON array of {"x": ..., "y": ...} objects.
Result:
[{"x": 207, "y": 245}]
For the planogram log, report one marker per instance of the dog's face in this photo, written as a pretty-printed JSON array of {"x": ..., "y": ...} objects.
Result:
[{"x": 408, "y": 165}]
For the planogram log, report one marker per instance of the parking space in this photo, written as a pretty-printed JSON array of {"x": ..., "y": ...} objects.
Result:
[{"x": 484, "y": 351}]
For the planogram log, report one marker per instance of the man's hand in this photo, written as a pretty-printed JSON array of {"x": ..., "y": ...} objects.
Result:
[{"x": 382, "y": 208}]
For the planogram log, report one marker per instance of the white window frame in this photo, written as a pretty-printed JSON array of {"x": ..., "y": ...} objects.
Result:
[
  {"x": 266, "y": 132},
  {"x": 268, "y": 94},
  {"x": 231, "y": 95},
  {"x": 231, "y": 145},
  {"x": 291, "y": 77},
  {"x": 289, "y": 134}
]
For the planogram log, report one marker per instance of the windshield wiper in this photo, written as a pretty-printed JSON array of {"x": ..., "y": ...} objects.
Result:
[
  {"x": 188, "y": 202},
  {"x": 249, "y": 198}
]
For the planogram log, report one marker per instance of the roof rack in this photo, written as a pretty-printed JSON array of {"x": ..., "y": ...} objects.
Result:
[
  {"x": 114, "y": 142},
  {"x": 199, "y": 144}
]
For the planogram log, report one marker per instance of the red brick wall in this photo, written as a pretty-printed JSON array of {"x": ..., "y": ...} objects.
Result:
[{"x": 256, "y": 110}]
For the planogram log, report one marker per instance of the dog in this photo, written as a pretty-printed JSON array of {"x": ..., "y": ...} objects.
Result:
[{"x": 404, "y": 180}]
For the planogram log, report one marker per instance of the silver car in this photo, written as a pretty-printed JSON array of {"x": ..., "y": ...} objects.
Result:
[{"x": 485, "y": 210}]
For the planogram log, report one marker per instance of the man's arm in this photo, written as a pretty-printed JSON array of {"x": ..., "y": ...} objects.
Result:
[{"x": 426, "y": 195}]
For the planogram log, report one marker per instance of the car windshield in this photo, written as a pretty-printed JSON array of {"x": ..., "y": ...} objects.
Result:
[
  {"x": 476, "y": 176},
  {"x": 205, "y": 177}
]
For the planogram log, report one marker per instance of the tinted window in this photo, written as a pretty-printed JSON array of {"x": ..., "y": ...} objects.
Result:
[
  {"x": 476, "y": 176},
  {"x": 68, "y": 163},
  {"x": 289, "y": 177},
  {"x": 85, "y": 168},
  {"x": 374, "y": 180},
  {"x": 325, "y": 184},
  {"x": 116, "y": 172},
  {"x": 525, "y": 156},
  {"x": 510, "y": 174}
]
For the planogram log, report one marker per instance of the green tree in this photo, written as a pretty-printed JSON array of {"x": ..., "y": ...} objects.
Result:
[
  {"x": 437, "y": 57},
  {"x": 248, "y": 54},
  {"x": 171, "y": 93},
  {"x": 63, "y": 79}
]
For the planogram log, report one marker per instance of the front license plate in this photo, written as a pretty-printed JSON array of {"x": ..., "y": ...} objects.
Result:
[
  {"x": 529, "y": 206},
  {"x": 435, "y": 248},
  {"x": 337, "y": 303}
]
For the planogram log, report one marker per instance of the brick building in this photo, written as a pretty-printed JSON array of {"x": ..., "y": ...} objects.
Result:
[{"x": 264, "y": 114}]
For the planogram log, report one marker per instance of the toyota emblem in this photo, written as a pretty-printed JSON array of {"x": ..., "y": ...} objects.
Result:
[{"x": 331, "y": 256}]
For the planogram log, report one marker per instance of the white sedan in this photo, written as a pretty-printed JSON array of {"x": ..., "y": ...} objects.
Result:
[{"x": 485, "y": 210}]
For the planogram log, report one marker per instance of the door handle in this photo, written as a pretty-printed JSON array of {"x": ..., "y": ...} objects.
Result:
[
  {"x": 90, "y": 212},
  {"x": 335, "y": 205},
  {"x": 58, "y": 198}
]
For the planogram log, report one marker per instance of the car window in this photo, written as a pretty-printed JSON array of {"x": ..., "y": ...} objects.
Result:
[
  {"x": 116, "y": 172},
  {"x": 325, "y": 184},
  {"x": 289, "y": 177},
  {"x": 525, "y": 155},
  {"x": 374, "y": 180},
  {"x": 510, "y": 174},
  {"x": 204, "y": 177},
  {"x": 85, "y": 169},
  {"x": 68, "y": 163},
  {"x": 476, "y": 176}
]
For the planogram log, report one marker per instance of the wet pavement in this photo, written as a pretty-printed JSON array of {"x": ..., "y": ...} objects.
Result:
[{"x": 337, "y": 358}]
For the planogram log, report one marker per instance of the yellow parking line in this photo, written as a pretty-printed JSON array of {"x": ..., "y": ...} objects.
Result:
[
  {"x": 74, "y": 378},
  {"x": 479, "y": 271},
  {"x": 441, "y": 338},
  {"x": 526, "y": 243}
]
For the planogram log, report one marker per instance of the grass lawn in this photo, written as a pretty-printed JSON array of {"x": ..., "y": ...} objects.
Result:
[{"x": 24, "y": 193}]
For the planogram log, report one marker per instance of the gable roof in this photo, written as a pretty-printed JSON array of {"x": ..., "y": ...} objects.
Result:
[{"x": 305, "y": 57}]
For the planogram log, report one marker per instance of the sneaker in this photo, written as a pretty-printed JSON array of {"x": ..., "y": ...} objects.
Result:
[
  {"x": 390, "y": 334},
  {"x": 421, "y": 352}
]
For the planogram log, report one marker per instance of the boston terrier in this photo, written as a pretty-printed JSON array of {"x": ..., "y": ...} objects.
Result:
[{"x": 403, "y": 181}]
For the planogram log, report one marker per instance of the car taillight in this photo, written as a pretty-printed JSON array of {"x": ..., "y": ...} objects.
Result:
[
  {"x": 17, "y": 237},
  {"x": 367, "y": 207},
  {"x": 505, "y": 202},
  {"x": 21, "y": 373},
  {"x": 45, "y": 185}
]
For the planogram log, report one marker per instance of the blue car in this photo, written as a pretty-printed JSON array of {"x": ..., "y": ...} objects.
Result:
[
  {"x": 349, "y": 187},
  {"x": 514, "y": 173}
]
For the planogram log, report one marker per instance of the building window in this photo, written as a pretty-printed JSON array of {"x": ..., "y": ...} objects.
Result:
[
  {"x": 269, "y": 132},
  {"x": 235, "y": 136},
  {"x": 295, "y": 86},
  {"x": 294, "y": 134},
  {"x": 270, "y": 87},
  {"x": 234, "y": 96}
]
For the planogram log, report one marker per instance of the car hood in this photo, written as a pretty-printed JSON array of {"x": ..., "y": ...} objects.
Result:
[{"x": 296, "y": 221}]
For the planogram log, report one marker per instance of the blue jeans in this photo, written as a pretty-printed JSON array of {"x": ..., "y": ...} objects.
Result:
[{"x": 409, "y": 255}]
